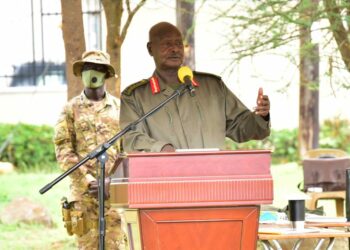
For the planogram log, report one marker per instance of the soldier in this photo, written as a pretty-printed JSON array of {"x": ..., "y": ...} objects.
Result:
[
  {"x": 200, "y": 121},
  {"x": 87, "y": 121}
]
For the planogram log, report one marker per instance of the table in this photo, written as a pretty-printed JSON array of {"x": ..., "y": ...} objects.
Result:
[{"x": 323, "y": 232}]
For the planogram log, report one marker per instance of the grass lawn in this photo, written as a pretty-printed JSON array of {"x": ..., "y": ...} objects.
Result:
[
  {"x": 286, "y": 178},
  {"x": 25, "y": 236}
]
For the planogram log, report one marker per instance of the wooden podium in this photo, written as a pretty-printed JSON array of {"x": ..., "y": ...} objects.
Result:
[{"x": 193, "y": 200}]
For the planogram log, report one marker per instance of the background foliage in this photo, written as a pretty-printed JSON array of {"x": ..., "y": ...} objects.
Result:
[
  {"x": 334, "y": 133},
  {"x": 30, "y": 147},
  {"x": 22, "y": 236}
]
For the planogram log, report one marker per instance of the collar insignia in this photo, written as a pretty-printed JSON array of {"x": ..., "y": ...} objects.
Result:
[{"x": 154, "y": 85}]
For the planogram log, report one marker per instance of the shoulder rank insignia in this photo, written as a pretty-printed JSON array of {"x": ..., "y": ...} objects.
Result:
[
  {"x": 154, "y": 83},
  {"x": 132, "y": 87},
  {"x": 195, "y": 83}
]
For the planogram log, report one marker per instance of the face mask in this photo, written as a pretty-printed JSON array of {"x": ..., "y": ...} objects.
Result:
[{"x": 93, "y": 79}]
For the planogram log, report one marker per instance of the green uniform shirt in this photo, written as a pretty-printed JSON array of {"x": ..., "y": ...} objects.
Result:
[
  {"x": 82, "y": 126},
  {"x": 201, "y": 121}
]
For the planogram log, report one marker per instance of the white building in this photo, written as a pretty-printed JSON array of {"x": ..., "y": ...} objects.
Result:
[{"x": 41, "y": 103}]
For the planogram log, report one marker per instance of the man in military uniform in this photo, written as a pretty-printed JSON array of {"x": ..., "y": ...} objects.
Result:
[
  {"x": 199, "y": 121},
  {"x": 88, "y": 120}
]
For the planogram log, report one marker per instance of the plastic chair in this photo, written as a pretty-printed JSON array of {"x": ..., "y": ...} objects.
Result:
[
  {"x": 325, "y": 153},
  {"x": 329, "y": 160}
]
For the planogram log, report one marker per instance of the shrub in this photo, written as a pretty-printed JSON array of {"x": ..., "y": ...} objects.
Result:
[
  {"x": 28, "y": 147},
  {"x": 283, "y": 144},
  {"x": 334, "y": 133}
]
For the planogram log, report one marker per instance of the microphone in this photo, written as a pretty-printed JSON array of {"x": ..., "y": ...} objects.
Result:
[{"x": 185, "y": 75}]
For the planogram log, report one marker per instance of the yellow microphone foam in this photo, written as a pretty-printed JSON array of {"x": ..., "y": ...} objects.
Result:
[{"x": 183, "y": 72}]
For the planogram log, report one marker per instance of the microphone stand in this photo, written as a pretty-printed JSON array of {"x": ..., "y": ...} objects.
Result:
[{"x": 100, "y": 154}]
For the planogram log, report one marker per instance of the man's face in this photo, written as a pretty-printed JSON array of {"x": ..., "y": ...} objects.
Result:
[
  {"x": 93, "y": 75},
  {"x": 167, "y": 50}
]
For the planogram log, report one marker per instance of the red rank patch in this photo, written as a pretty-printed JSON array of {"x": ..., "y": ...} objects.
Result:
[{"x": 154, "y": 85}]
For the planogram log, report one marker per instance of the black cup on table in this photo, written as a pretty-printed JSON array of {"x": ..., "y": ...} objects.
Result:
[{"x": 296, "y": 213}]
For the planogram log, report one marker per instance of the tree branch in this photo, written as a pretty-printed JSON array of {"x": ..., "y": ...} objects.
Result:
[
  {"x": 339, "y": 31},
  {"x": 130, "y": 17}
]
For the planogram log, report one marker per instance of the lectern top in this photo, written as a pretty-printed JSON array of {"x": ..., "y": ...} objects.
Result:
[
  {"x": 201, "y": 152},
  {"x": 197, "y": 179},
  {"x": 205, "y": 164}
]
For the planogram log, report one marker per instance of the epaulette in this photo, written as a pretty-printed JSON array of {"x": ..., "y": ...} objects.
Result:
[
  {"x": 133, "y": 86},
  {"x": 206, "y": 74}
]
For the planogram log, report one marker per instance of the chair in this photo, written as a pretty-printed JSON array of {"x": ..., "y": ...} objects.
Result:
[
  {"x": 324, "y": 169},
  {"x": 325, "y": 152}
]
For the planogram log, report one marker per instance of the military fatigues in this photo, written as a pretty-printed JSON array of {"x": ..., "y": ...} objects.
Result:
[
  {"x": 82, "y": 126},
  {"x": 201, "y": 121}
]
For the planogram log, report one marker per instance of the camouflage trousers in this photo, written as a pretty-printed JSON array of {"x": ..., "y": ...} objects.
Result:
[{"x": 113, "y": 235}]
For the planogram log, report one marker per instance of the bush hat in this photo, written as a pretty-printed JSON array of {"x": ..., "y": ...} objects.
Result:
[{"x": 94, "y": 56}]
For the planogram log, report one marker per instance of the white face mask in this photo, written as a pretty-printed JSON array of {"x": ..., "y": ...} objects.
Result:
[{"x": 93, "y": 79}]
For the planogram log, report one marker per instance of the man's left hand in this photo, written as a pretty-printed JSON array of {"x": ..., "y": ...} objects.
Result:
[{"x": 263, "y": 104}]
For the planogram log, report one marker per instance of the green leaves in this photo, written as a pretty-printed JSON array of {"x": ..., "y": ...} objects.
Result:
[
  {"x": 334, "y": 133},
  {"x": 28, "y": 147},
  {"x": 283, "y": 144}
]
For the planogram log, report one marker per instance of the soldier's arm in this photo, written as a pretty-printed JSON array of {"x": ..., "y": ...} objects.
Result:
[
  {"x": 65, "y": 141},
  {"x": 139, "y": 139},
  {"x": 241, "y": 123}
]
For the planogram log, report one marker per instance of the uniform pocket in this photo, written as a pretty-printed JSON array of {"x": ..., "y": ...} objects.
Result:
[{"x": 86, "y": 135}]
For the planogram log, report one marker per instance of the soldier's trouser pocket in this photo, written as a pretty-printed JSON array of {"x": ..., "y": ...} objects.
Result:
[
  {"x": 76, "y": 220},
  {"x": 66, "y": 215},
  {"x": 79, "y": 223}
]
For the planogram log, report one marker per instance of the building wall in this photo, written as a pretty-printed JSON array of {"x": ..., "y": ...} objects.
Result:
[
  {"x": 277, "y": 75},
  {"x": 30, "y": 105}
]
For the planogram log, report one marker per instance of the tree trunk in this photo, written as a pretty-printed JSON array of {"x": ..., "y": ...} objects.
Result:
[
  {"x": 74, "y": 42},
  {"x": 116, "y": 34},
  {"x": 185, "y": 13},
  {"x": 114, "y": 11},
  {"x": 308, "y": 92}
]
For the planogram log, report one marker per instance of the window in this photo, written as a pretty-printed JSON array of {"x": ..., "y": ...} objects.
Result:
[{"x": 34, "y": 54}]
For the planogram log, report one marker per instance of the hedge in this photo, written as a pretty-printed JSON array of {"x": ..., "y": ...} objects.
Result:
[
  {"x": 334, "y": 133},
  {"x": 30, "y": 147}
]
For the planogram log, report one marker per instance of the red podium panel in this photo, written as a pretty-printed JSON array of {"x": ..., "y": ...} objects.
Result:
[
  {"x": 201, "y": 228},
  {"x": 218, "y": 178},
  {"x": 195, "y": 200}
]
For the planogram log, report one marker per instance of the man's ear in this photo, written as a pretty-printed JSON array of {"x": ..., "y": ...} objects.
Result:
[{"x": 149, "y": 48}]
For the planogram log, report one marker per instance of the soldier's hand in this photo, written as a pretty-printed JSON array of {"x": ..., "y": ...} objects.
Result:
[
  {"x": 93, "y": 188},
  {"x": 262, "y": 104},
  {"x": 168, "y": 148}
]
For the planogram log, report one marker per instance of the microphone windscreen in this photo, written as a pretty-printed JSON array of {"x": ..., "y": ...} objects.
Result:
[{"x": 184, "y": 72}]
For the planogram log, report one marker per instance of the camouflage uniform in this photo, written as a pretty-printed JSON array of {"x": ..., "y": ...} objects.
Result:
[
  {"x": 82, "y": 126},
  {"x": 201, "y": 121}
]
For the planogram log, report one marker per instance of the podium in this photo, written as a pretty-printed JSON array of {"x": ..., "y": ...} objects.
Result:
[{"x": 193, "y": 200}]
